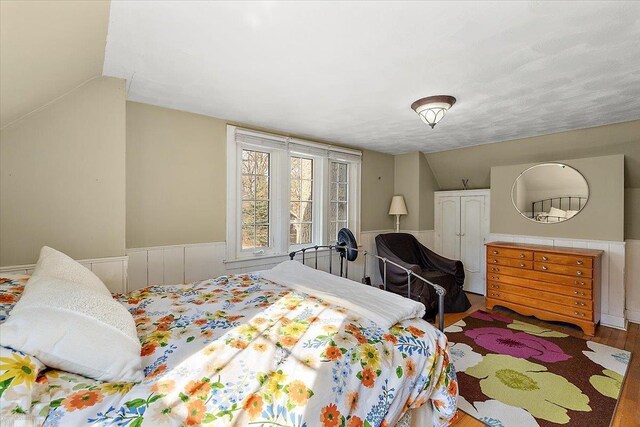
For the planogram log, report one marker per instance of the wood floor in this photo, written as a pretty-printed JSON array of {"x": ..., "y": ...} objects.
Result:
[{"x": 628, "y": 412}]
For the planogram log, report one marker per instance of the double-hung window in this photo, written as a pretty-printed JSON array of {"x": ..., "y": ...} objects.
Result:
[{"x": 284, "y": 193}]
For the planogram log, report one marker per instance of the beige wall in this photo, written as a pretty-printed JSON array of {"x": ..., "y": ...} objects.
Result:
[
  {"x": 428, "y": 185},
  {"x": 601, "y": 219},
  {"x": 62, "y": 177},
  {"x": 415, "y": 181},
  {"x": 48, "y": 48},
  {"x": 407, "y": 184},
  {"x": 475, "y": 163},
  {"x": 176, "y": 177},
  {"x": 377, "y": 191}
]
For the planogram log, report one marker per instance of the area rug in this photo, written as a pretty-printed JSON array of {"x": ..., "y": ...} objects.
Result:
[{"x": 512, "y": 373}]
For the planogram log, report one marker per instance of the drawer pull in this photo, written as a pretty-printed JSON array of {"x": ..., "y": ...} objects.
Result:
[
  {"x": 522, "y": 255},
  {"x": 579, "y": 283},
  {"x": 579, "y": 273},
  {"x": 495, "y": 252},
  {"x": 579, "y": 262},
  {"x": 577, "y": 313},
  {"x": 495, "y": 286},
  {"x": 495, "y": 269},
  {"x": 544, "y": 258},
  {"x": 522, "y": 264},
  {"x": 579, "y": 293},
  {"x": 544, "y": 267},
  {"x": 495, "y": 260},
  {"x": 581, "y": 304}
]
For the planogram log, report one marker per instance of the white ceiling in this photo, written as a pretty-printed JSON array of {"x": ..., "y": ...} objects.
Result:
[{"x": 348, "y": 72}]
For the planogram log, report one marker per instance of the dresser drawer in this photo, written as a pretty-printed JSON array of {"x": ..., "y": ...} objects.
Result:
[
  {"x": 584, "y": 304},
  {"x": 578, "y": 313},
  {"x": 569, "y": 270},
  {"x": 542, "y": 276},
  {"x": 510, "y": 262},
  {"x": 581, "y": 292},
  {"x": 578, "y": 261},
  {"x": 509, "y": 253}
]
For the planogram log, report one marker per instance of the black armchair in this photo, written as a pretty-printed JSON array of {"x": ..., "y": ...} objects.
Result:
[{"x": 404, "y": 249}]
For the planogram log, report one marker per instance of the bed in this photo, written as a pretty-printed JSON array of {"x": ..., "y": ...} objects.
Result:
[{"x": 245, "y": 350}]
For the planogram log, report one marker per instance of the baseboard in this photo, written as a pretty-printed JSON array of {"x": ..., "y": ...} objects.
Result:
[
  {"x": 633, "y": 316},
  {"x": 112, "y": 271},
  {"x": 616, "y": 322}
]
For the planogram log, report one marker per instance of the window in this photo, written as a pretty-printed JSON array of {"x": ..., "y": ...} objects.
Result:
[
  {"x": 301, "y": 201},
  {"x": 284, "y": 193},
  {"x": 255, "y": 199},
  {"x": 339, "y": 198}
]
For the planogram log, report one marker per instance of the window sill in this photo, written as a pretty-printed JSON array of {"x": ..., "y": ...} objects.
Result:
[{"x": 270, "y": 259}]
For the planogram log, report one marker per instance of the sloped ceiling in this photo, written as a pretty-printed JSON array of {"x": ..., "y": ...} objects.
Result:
[
  {"x": 349, "y": 71},
  {"x": 47, "y": 48}
]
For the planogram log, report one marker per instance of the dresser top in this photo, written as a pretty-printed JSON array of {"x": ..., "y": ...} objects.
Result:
[{"x": 546, "y": 248}]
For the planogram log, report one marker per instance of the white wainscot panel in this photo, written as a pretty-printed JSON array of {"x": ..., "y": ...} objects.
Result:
[
  {"x": 612, "y": 282},
  {"x": 175, "y": 264},
  {"x": 112, "y": 271},
  {"x": 632, "y": 279}
]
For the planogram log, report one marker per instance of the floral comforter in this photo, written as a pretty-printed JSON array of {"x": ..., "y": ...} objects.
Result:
[{"x": 241, "y": 350}]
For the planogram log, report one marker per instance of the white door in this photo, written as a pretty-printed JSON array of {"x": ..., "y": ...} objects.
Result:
[
  {"x": 449, "y": 231},
  {"x": 472, "y": 216}
]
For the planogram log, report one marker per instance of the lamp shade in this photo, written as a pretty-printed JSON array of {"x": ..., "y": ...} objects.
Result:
[{"x": 398, "y": 207}]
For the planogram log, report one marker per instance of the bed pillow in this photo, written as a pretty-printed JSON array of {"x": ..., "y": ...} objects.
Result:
[
  {"x": 53, "y": 263},
  {"x": 18, "y": 387},
  {"x": 555, "y": 212},
  {"x": 76, "y": 328}
]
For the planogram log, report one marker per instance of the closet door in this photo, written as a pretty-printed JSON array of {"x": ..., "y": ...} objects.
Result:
[
  {"x": 449, "y": 230},
  {"x": 472, "y": 234}
]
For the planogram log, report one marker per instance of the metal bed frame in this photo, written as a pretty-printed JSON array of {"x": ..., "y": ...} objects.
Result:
[
  {"x": 559, "y": 203},
  {"x": 344, "y": 269}
]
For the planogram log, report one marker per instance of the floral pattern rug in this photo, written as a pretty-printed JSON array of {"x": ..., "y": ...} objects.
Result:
[{"x": 512, "y": 373}]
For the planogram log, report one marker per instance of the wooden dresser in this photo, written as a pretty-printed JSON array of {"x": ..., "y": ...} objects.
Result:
[{"x": 547, "y": 282}]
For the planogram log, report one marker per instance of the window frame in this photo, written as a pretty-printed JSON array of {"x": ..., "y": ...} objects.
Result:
[{"x": 280, "y": 150}]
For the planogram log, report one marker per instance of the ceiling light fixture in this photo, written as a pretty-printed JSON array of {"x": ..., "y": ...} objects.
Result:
[{"x": 433, "y": 108}]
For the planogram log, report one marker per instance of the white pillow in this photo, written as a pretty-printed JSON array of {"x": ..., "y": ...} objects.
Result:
[
  {"x": 557, "y": 212},
  {"x": 53, "y": 263},
  {"x": 571, "y": 214},
  {"x": 74, "y": 327}
]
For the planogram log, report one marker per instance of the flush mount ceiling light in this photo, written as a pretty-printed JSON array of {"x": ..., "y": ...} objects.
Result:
[{"x": 433, "y": 108}]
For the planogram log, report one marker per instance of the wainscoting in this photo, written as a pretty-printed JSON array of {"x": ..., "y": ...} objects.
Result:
[
  {"x": 612, "y": 301},
  {"x": 112, "y": 271},
  {"x": 633, "y": 280},
  {"x": 188, "y": 263},
  {"x": 168, "y": 265}
]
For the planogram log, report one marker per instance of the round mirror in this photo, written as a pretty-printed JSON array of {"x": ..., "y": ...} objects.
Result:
[{"x": 550, "y": 193}]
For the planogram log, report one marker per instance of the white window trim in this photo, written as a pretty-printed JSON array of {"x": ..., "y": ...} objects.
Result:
[{"x": 281, "y": 148}]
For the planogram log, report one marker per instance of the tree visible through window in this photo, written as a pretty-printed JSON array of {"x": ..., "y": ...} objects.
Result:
[
  {"x": 301, "y": 201},
  {"x": 339, "y": 198},
  {"x": 255, "y": 199}
]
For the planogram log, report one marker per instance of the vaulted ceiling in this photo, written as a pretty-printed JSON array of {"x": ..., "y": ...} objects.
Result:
[
  {"x": 47, "y": 48},
  {"x": 349, "y": 71},
  {"x": 339, "y": 71}
]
